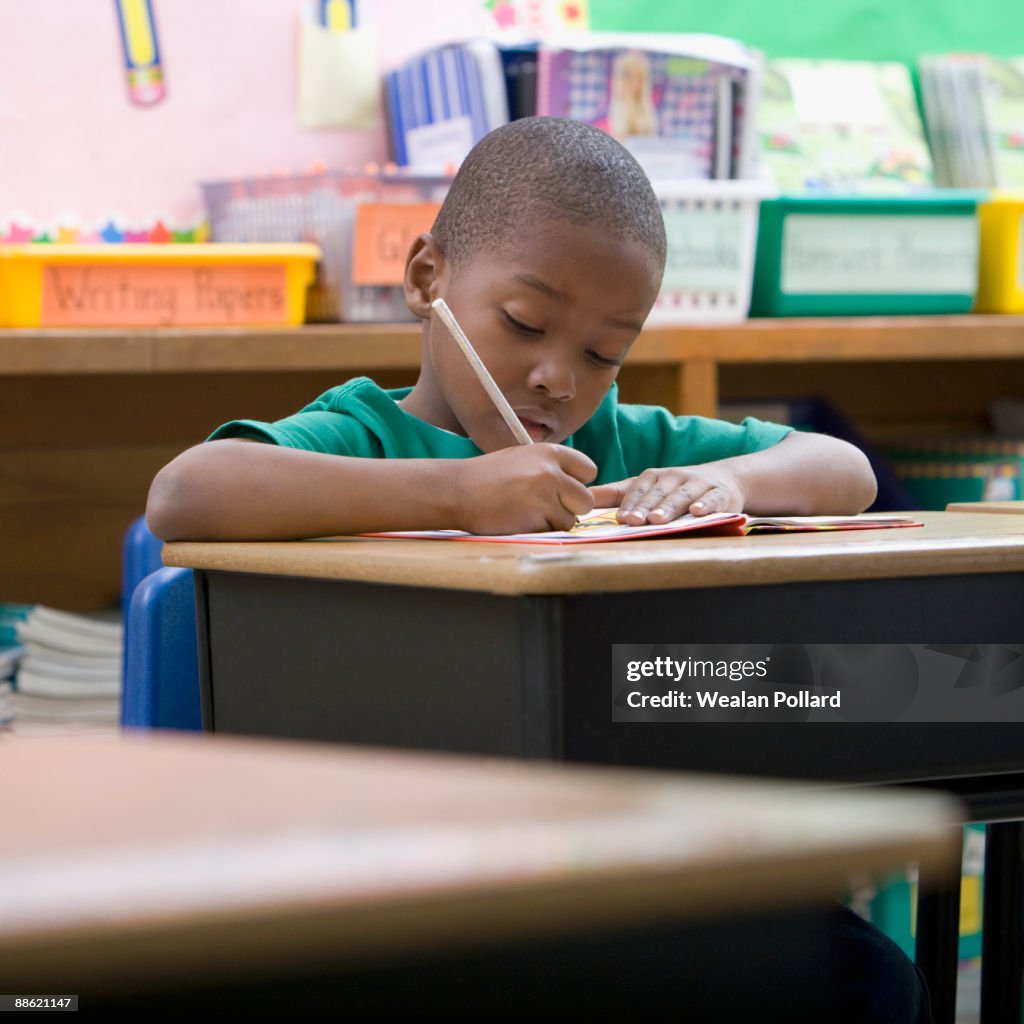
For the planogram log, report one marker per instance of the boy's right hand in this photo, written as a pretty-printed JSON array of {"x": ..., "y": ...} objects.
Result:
[{"x": 523, "y": 489}]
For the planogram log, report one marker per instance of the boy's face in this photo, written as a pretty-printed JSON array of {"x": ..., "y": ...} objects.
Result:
[{"x": 552, "y": 316}]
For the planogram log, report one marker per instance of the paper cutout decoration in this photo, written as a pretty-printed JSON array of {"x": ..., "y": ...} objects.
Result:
[
  {"x": 540, "y": 17},
  {"x": 338, "y": 15},
  {"x": 141, "y": 51}
]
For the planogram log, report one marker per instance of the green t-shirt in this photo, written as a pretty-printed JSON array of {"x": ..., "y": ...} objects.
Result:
[{"x": 360, "y": 419}]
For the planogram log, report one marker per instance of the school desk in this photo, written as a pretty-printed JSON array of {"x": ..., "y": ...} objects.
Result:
[
  {"x": 506, "y": 649},
  {"x": 1015, "y": 507},
  {"x": 155, "y": 866}
]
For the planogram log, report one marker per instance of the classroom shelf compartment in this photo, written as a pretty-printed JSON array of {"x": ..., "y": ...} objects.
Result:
[
  {"x": 867, "y": 255},
  {"x": 154, "y": 285}
]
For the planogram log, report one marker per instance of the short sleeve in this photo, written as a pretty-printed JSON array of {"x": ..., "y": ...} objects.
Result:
[
  {"x": 312, "y": 431},
  {"x": 653, "y": 437}
]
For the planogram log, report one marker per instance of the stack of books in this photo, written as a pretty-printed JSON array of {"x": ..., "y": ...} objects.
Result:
[
  {"x": 440, "y": 103},
  {"x": 974, "y": 112},
  {"x": 71, "y": 668},
  {"x": 683, "y": 104},
  {"x": 843, "y": 127}
]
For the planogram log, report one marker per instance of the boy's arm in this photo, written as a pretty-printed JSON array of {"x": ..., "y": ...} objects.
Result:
[
  {"x": 246, "y": 490},
  {"x": 804, "y": 474}
]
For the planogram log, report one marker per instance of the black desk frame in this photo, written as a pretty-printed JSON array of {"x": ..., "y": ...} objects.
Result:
[{"x": 528, "y": 676}]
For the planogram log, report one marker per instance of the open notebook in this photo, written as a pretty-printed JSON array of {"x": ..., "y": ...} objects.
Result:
[{"x": 600, "y": 525}]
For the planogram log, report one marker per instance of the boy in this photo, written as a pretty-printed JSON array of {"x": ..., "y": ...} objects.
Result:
[{"x": 549, "y": 249}]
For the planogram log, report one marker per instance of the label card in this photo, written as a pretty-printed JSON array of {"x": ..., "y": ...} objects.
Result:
[
  {"x": 383, "y": 234},
  {"x": 824, "y": 254},
  {"x": 705, "y": 244},
  {"x": 439, "y": 145},
  {"x": 125, "y": 295}
]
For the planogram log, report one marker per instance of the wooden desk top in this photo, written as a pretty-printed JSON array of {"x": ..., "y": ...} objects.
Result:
[
  {"x": 948, "y": 543},
  {"x": 1015, "y": 507},
  {"x": 135, "y": 859}
]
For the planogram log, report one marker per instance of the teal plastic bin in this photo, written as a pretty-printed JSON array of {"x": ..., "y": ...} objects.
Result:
[{"x": 860, "y": 255}]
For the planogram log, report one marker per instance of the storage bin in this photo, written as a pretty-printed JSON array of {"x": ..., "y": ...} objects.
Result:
[
  {"x": 857, "y": 255},
  {"x": 154, "y": 285},
  {"x": 894, "y": 906},
  {"x": 938, "y": 470},
  {"x": 1001, "y": 268},
  {"x": 712, "y": 231},
  {"x": 348, "y": 214},
  {"x": 937, "y": 483},
  {"x": 711, "y": 226}
]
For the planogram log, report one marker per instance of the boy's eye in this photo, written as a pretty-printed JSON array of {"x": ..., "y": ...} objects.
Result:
[
  {"x": 518, "y": 325},
  {"x": 603, "y": 361}
]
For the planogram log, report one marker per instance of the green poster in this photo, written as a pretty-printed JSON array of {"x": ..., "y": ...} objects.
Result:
[{"x": 852, "y": 29}]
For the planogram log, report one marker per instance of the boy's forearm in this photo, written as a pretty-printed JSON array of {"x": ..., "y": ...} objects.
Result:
[
  {"x": 806, "y": 474},
  {"x": 238, "y": 490}
]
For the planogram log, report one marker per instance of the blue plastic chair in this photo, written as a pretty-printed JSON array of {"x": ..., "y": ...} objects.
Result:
[
  {"x": 140, "y": 555},
  {"x": 161, "y": 679}
]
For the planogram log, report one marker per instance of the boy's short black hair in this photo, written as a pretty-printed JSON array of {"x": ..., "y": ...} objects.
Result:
[{"x": 539, "y": 168}]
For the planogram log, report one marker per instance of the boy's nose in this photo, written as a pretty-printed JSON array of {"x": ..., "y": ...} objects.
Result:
[{"x": 555, "y": 377}]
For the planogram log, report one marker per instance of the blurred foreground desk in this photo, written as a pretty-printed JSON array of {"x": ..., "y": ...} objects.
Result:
[
  {"x": 159, "y": 873},
  {"x": 506, "y": 649}
]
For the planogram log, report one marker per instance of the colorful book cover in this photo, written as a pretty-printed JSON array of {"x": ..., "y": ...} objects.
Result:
[
  {"x": 842, "y": 127},
  {"x": 1005, "y": 107},
  {"x": 671, "y": 101}
]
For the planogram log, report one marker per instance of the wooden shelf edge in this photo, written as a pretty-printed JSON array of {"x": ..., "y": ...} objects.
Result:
[{"x": 396, "y": 346}]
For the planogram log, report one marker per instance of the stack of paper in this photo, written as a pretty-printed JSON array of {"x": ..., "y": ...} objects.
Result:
[
  {"x": 684, "y": 105},
  {"x": 71, "y": 669},
  {"x": 974, "y": 111},
  {"x": 842, "y": 126}
]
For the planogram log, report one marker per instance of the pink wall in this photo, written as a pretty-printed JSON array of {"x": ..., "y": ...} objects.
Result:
[{"x": 71, "y": 141}]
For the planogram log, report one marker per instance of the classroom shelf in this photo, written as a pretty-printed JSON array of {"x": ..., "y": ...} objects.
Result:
[
  {"x": 694, "y": 351},
  {"x": 89, "y": 415}
]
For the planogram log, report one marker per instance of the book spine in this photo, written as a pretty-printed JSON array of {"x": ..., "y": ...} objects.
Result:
[
  {"x": 544, "y": 106},
  {"x": 393, "y": 116}
]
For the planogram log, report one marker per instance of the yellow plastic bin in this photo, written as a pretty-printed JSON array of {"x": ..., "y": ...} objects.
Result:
[
  {"x": 155, "y": 285},
  {"x": 1001, "y": 263}
]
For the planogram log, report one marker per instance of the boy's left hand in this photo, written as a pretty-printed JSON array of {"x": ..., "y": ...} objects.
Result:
[{"x": 660, "y": 495}]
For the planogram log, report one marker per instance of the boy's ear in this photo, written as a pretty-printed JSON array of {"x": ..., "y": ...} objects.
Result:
[{"x": 424, "y": 266}]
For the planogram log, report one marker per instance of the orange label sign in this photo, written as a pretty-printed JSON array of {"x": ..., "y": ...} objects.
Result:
[
  {"x": 130, "y": 295},
  {"x": 383, "y": 234}
]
